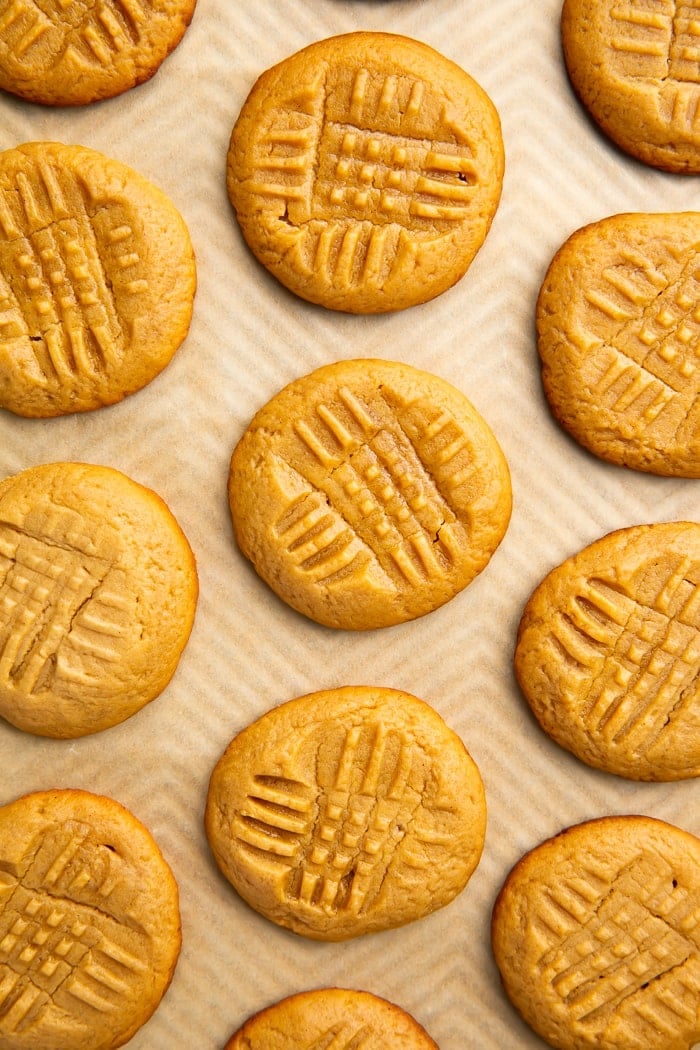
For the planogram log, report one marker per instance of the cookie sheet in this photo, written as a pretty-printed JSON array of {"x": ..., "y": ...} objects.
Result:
[{"x": 248, "y": 651}]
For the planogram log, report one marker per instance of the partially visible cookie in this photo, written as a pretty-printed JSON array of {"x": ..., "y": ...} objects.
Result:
[
  {"x": 346, "y": 812},
  {"x": 596, "y": 933},
  {"x": 608, "y": 652},
  {"x": 332, "y": 1017},
  {"x": 98, "y": 588},
  {"x": 365, "y": 171},
  {"x": 97, "y": 280},
  {"x": 89, "y": 923},
  {"x": 618, "y": 324},
  {"x": 72, "y": 52},
  {"x": 635, "y": 68},
  {"x": 368, "y": 493}
]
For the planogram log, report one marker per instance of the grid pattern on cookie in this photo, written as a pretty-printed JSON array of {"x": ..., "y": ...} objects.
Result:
[
  {"x": 361, "y": 180},
  {"x": 73, "y": 35},
  {"x": 57, "y": 951},
  {"x": 636, "y": 662},
  {"x": 63, "y": 614},
  {"x": 333, "y": 843},
  {"x": 344, "y": 1037},
  {"x": 625, "y": 946},
  {"x": 650, "y": 360},
  {"x": 59, "y": 276},
  {"x": 659, "y": 40},
  {"x": 389, "y": 475}
]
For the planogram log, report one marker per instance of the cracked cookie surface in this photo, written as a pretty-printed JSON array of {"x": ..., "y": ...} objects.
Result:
[
  {"x": 365, "y": 172},
  {"x": 73, "y": 52},
  {"x": 89, "y": 923},
  {"x": 596, "y": 933},
  {"x": 98, "y": 588},
  {"x": 346, "y": 812},
  {"x": 97, "y": 280},
  {"x": 368, "y": 493},
  {"x": 618, "y": 326},
  {"x": 635, "y": 68},
  {"x": 608, "y": 652}
]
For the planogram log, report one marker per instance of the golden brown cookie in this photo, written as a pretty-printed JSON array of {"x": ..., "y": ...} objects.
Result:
[
  {"x": 596, "y": 934},
  {"x": 71, "y": 52},
  {"x": 89, "y": 923},
  {"x": 332, "y": 1018},
  {"x": 368, "y": 493},
  {"x": 618, "y": 322},
  {"x": 98, "y": 588},
  {"x": 636, "y": 69},
  {"x": 347, "y": 811},
  {"x": 608, "y": 652},
  {"x": 365, "y": 172},
  {"x": 97, "y": 280}
]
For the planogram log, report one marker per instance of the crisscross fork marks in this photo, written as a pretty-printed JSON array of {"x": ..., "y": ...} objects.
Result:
[
  {"x": 377, "y": 478},
  {"x": 628, "y": 944},
  {"x": 652, "y": 359},
  {"x": 332, "y": 839},
  {"x": 54, "y": 950},
  {"x": 350, "y": 169},
  {"x": 44, "y": 589},
  {"x": 640, "y": 660},
  {"x": 57, "y": 291},
  {"x": 91, "y": 37},
  {"x": 343, "y": 1037},
  {"x": 664, "y": 35}
]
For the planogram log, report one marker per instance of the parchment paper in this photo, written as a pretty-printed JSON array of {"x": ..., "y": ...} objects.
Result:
[{"x": 248, "y": 651}]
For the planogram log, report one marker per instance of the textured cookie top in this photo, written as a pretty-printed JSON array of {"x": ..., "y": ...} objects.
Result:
[
  {"x": 636, "y": 68},
  {"x": 365, "y": 171},
  {"x": 331, "y": 1018},
  {"x": 71, "y": 52},
  {"x": 97, "y": 596},
  {"x": 608, "y": 652},
  {"x": 97, "y": 280},
  {"x": 618, "y": 322},
  {"x": 368, "y": 493},
  {"x": 346, "y": 812},
  {"x": 597, "y": 936},
  {"x": 89, "y": 923}
]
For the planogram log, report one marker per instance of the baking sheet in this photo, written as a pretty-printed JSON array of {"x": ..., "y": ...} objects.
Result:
[{"x": 248, "y": 651}]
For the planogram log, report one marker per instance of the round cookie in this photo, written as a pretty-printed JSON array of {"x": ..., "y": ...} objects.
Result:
[
  {"x": 89, "y": 923},
  {"x": 596, "y": 935},
  {"x": 608, "y": 652},
  {"x": 72, "y": 52},
  {"x": 618, "y": 325},
  {"x": 365, "y": 171},
  {"x": 635, "y": 68},
  {"x": 97, "y": 280},
  {"x": 346, "y": 812},
  {"x": 368, "y": 493},
  {"x": 329, "y": 1017},
  {"x": 98, "y": 588}
]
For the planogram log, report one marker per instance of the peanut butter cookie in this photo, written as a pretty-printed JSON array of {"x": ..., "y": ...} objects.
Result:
[
  {"x": 71, "y": 52},
  {"x": 618, "y": 321},
  {"x": 368, "y": 493},
  {"x": 89, "y": 923},
  {"x": 98, "y": 588},
  {"x": 346, "y": 812},
  {"x": 97, "y": 280},
  {"x": 332, "y": 1017},
  {"x": 365, "y": 172},
  {"x": 597, "y": 936},
  {"x": 608, "y": 652},
  {"x": 636, "y": 70}
]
